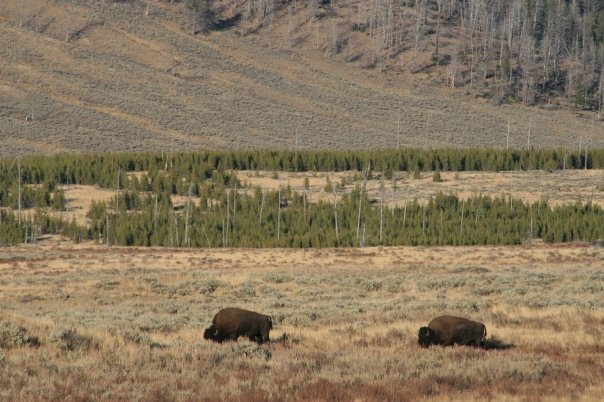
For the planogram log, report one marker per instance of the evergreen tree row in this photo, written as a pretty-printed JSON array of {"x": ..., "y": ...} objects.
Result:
[
  {"x": 165, "y": 172},
  {"x": 35, "y": 224},
  {"x": 286, "y": 219}
]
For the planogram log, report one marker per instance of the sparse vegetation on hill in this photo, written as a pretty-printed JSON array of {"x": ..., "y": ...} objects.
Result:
[
  {"x": 529, "y": 51},
  {"x": 129, "y": 76}
]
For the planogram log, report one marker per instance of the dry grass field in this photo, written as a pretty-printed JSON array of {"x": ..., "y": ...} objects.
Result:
[
  {"x": 558, "y": 187},
  {"x": 96, "y": 323},
  {"x": 127, "y": 81}
]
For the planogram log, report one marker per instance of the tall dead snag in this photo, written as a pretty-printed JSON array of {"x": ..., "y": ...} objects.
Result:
[
  {"x": 19, "y": 195},
  {"x": 382, "y": 191},
  {"x": 463, "y": 204},
  {"x": 117, "y": 192},
  {"x": 22, "y": 17},
  {"x": 335, "y": 212},
  {"x": 188, "y": 214},
  {"x": 200, "y": 13},
  {"x": 228, "y": 213},
  {"x": 361, "y": 199},
  {"x": 398, "y": 131},
  {"x": 261, "y": 208},
  {"x": 279, "y": 216}
]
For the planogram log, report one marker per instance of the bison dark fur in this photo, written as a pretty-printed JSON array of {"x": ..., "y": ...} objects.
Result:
[
  {"x": 230, "y": 323},
  {"x": 447, "y": 330}
]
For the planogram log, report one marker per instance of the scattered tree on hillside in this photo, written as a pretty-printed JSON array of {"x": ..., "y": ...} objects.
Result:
[
  {"x": 531, "y": 49},
  {"x": 200, "y": 14}
]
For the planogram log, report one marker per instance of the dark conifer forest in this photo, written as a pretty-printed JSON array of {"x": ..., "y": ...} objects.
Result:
[{"x": 228, "y": 214}]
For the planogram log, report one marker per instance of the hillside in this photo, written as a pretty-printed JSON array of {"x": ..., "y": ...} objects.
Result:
[{"x": 105, "y": 76}]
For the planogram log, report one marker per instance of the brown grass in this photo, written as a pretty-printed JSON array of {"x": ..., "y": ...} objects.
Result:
[
  {"x": 557, "y": 187},
  {"x": 126, "y": 324}
]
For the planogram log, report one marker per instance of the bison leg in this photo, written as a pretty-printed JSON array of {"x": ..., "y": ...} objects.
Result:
[{"x": 258, "y": 338}]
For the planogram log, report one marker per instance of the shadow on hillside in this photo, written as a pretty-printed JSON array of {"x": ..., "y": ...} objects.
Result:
[
  {"x": 224, "y": 24},
  {"x": 494, "y": 343}
]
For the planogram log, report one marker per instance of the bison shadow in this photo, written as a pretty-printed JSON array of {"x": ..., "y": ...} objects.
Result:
[{"x": 494, "y": 343}]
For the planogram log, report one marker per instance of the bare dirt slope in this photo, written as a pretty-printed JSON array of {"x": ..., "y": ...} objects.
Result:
[{"x": 101, "y": 76}]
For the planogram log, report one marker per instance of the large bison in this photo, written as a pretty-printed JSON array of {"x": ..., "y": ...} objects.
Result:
[
  {"x": 447, "y": 330},
  {"x": 230, "y": 323}
]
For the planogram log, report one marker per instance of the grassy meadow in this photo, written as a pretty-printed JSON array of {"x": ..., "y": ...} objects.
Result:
[{"x": 81, "y": 322}]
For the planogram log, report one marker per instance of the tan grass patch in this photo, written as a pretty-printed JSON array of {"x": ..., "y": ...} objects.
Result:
[{"x": 351, "y": 315}]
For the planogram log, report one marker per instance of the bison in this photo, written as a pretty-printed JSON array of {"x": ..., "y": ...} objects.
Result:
[
  {"x": 447, "y": 330},
  {"x": 230, "y": 323}
]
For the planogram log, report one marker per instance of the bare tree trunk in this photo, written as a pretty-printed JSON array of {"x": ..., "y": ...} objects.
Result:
[
  {"x": 304, "y": 204},
  {"x": 382, "y": 190},
  {"x": 393, "y": 193},
  {"x": 234, "y": 204},
  {"x": 564, "y": 162},
  {"x": 176, "y": 229},
  {"x": 317, "y": 36},
  {"x": 261, "y": 207},
  {"x": 362, "y": 241},
  {"x": 361, "y": 199},
  {"x": 155, "y": 215},
  {"x": 528, "y": 145},
  {"x": 21, "y": 19},
  {"x": 507, "y": 146},
  {"x": 228, "y": 213},
  {"x": 531, "y": 230},
  {"x": 405, "y": 210},
  {"x": 436, "y": 54},
  {"x": 463, "y": 204},
  {"x": 279, "y": 217},
  {"x": 335, "y": 213},
  {"x": 19, "y": 195},
  {"x": 398, "y": 130},
  {"x": 193, "y": 30},
  {"x": 187, "y": 244},
  {"x": 424, "y": 221},
  {"x": 68, "y": 28}
]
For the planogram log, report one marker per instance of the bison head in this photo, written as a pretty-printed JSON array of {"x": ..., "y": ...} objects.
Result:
[
  {"x": 426, "y": 337},
  {"x": 212, "y": 333}
]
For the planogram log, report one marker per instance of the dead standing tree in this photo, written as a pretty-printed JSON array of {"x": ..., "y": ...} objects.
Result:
[
  {"x": 361, "y": 198},
  {"x": 200, "y": 15}
]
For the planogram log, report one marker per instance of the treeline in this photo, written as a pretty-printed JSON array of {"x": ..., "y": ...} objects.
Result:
[
  {"x": 170, "y": 171},
  {"x": 284, "y": 218},
  {"x": 34, "y": 224},
  {"x": 227, "y": 214}
]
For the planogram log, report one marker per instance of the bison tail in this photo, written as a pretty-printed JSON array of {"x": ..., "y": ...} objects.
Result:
[{"x": 270, "y": 322}]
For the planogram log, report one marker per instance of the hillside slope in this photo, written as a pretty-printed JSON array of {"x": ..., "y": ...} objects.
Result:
[{"x": 103, "y": 76}]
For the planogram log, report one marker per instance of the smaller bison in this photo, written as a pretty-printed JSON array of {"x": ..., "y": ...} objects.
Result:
[
  {"x": 447, "y": 330},
  {"x": 230, "y": 323}
]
